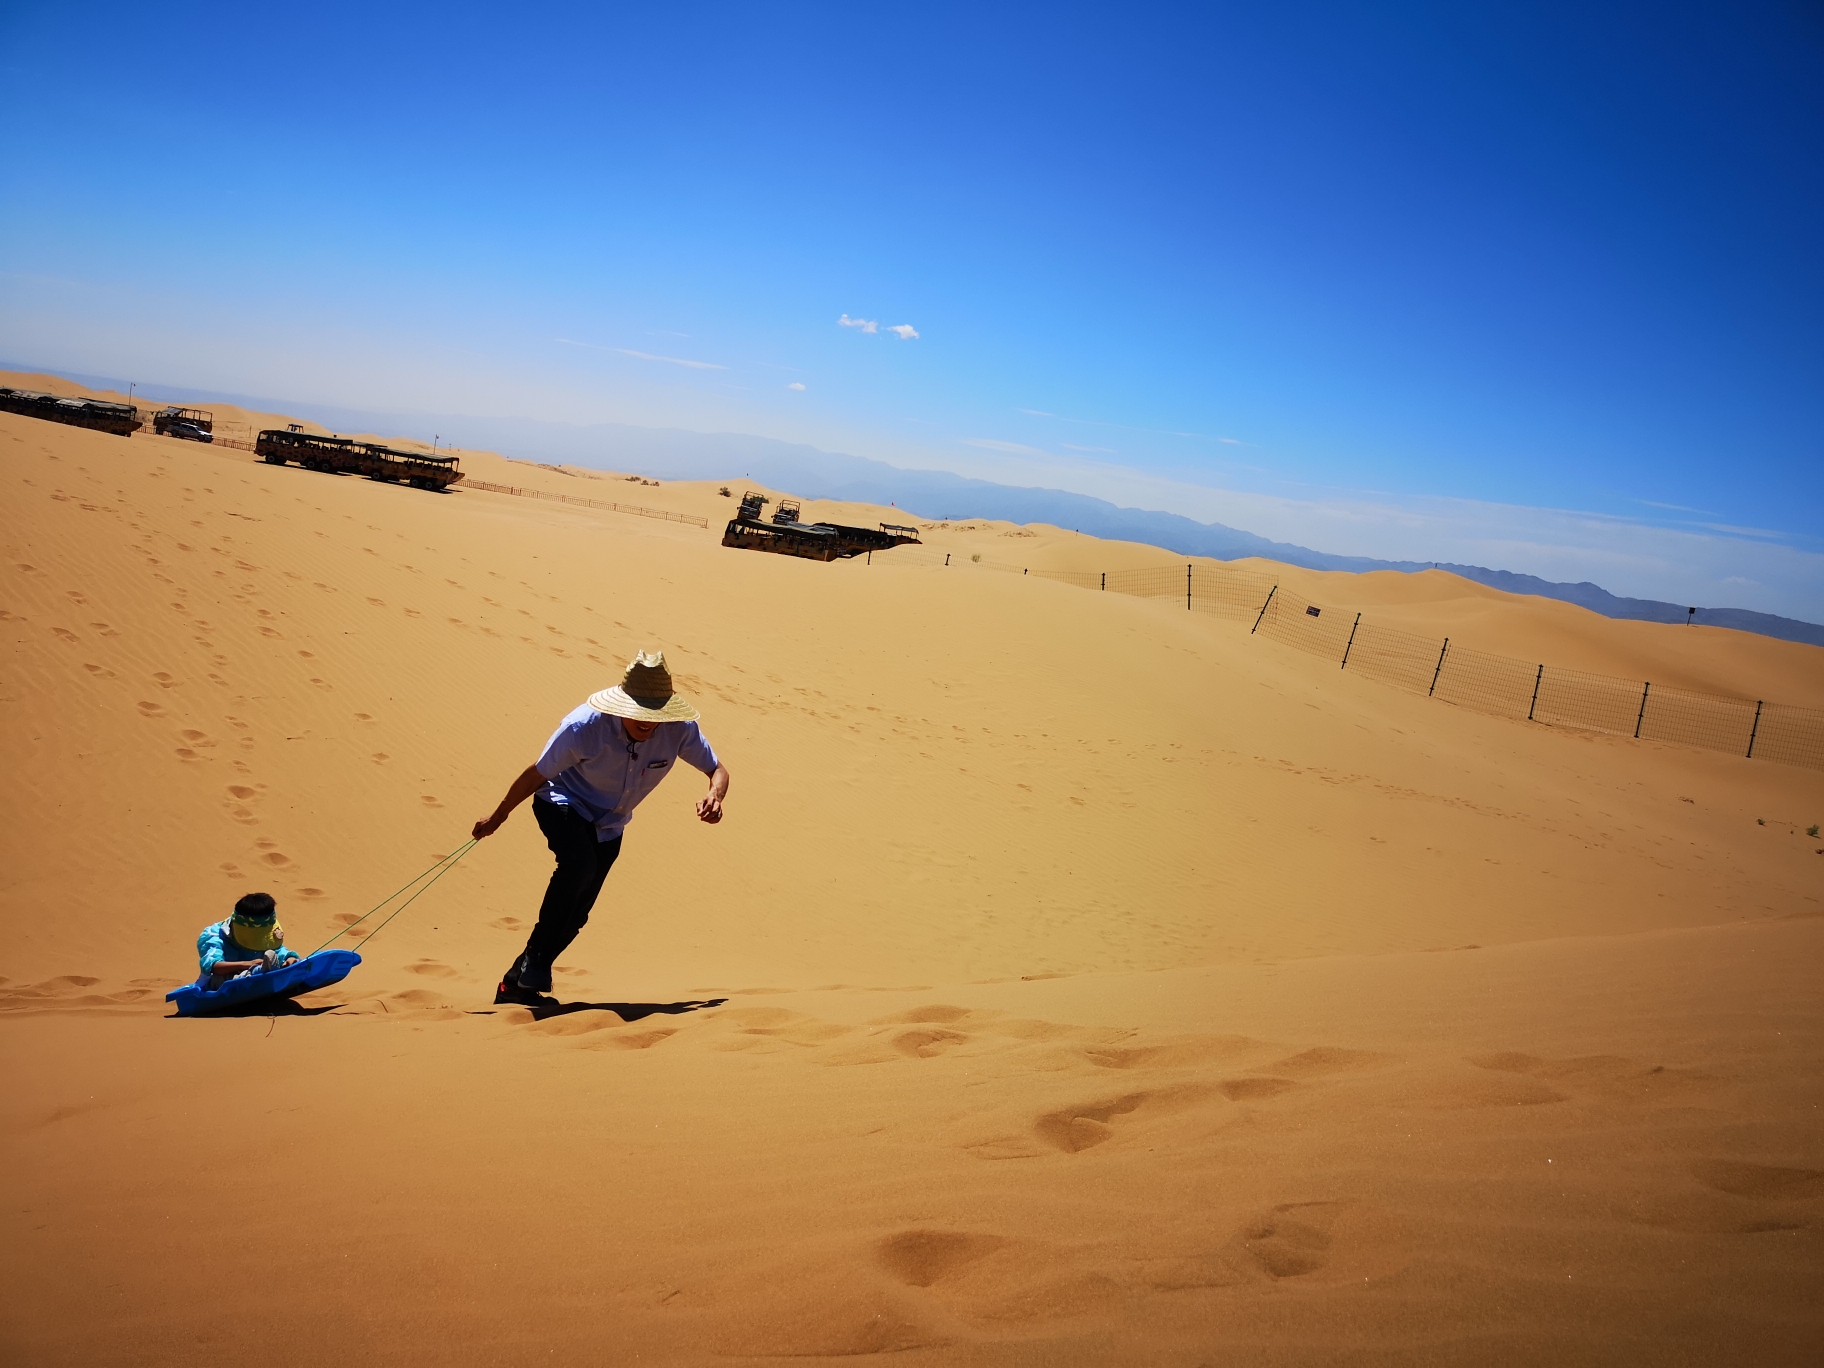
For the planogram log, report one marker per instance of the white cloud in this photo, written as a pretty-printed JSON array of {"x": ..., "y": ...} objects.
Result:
[
  {"x": 1012, "y": 448},
  {"x": 644, "y": 356},
  {"x": 1039, "y": 413},
  {"x": 796, "y": 385},
  {"x": 669, "y": 360},
  {"x": 1072, "y": 446},
  {"x": 905, "y": 330},
  {"x": 867, "y": 325}
]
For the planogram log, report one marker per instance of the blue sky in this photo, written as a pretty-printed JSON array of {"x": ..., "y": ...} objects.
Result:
[{"x": 1536, "y": 286}]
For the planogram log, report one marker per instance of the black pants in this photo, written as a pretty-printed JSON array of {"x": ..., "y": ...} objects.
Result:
[{"x": 582, "y": 863}]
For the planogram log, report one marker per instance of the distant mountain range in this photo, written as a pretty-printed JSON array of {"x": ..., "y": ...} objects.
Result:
[
  {"x": 1599, "y": 600},
  {"x": 674, "y": 454}
]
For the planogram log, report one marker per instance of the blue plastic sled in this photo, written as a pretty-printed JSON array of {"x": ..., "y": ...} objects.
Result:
[{"x": 314, "y": 971}]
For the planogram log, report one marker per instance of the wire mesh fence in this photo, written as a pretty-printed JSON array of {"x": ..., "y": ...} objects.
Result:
[
  {"x": 1502, "y": 686},
  {"x": 689, "y": 519}
]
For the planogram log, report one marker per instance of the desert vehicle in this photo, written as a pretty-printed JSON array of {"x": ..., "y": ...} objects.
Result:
[
  {"x": 787, "y": 535},
  {"x": 193, "y": 425},
  {"x": 345, "y": 456},
  {"x": 120, "y": 419}
]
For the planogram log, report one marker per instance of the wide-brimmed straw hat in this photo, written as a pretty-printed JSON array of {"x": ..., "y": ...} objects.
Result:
[{"x": 645, "y": 693}]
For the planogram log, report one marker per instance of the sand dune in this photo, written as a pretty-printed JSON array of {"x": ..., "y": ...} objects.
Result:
[{"x": 1074, "y": 980}]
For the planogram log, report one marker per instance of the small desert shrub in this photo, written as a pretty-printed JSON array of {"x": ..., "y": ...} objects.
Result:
[
  {"x": 976, "y": 557},
  {"x": 1812, "y": 830},
  {"x": 724, "y": 492}
]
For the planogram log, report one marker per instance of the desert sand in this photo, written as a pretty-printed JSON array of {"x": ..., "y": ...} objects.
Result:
[{"x": 1073, "y": 980}]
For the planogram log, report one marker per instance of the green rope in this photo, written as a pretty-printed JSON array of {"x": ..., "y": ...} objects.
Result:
[
  {"x": 368, "y": 940},
  {"x": 435, "y": 872}
]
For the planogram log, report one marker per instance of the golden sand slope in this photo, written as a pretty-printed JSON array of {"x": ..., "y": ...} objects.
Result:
[{"x": 1096, "y": 983}]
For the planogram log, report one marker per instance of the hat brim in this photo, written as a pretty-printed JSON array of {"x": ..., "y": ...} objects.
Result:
[{"x": 616, "y": 702}]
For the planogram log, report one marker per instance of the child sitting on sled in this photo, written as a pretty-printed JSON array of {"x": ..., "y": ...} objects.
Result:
[{"x": 251, "y": 941}]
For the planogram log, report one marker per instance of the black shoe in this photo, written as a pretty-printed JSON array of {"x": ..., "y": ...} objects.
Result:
[
  {"x": 530, "y": 975},
  {"x": 509, "y": 991}
]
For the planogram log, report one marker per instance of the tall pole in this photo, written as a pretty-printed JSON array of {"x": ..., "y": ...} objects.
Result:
[
  {"x": 1535, "y": 703},
  {"x": 1187, "y": 587},
  {"x": 1105, "y": 581},
  {"x": 1440, "y": 670},
  {"x": 1642, "y": 715},
  {"x": 1756, "y": 731}
]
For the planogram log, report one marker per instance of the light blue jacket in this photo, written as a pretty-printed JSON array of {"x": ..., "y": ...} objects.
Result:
[{"x": 217, "y": 943}]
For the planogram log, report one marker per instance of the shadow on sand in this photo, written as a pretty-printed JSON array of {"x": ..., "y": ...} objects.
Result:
[
  {"x": 544, "y": 1008},
  {"x": 259, "y": 1007}
]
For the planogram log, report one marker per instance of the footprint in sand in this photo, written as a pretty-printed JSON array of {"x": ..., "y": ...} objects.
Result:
[
  {"x": 62, "y": 635},
  {"x": 1254, "y": 1089},
  {"x": 311, "y": 893},
  {"x": 1328, "y": 1059},
  {"x": 1737, "y": 1198},
  {"x": 922, "y": 1258},
  {"x": 1086, "y": 1125},
  {"x": 927, "y": 1044},
  {"x": 380, "y": 757},
  {"x": 98, "y": 670},
  {"x": 164, "y": 680},
  {"x": 937, "y": 1012},
  {"x": 1198, "y": 1050},
  {"x": 431, "y": 969},
  {"x": 429, "y": 800},
  {"x": 1291, "y": 1240},
  {"x": 1605, "y": 1075},
  {"x": 1762, "y": 1182}
]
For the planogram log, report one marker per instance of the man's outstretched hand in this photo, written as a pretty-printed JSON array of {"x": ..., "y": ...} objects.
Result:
[
  {"x": 528, "y": 783},
  {"x": 709, "y": 806}
]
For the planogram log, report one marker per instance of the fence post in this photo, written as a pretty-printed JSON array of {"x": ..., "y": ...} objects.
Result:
[
  {"x": 946, "y": 558},
  {"x": 1105, "y": 581},
  {"x": 1756, "y": 731},
  {"x": 1351, "y": 645},
  {"x": 1641, "y": 716},
  {"x": 1530, "y": 707},
  {"x": 1187, "y": 586},
  {"x": 1440, "y": 670},
  {"x": 1263, "y": 610}
]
